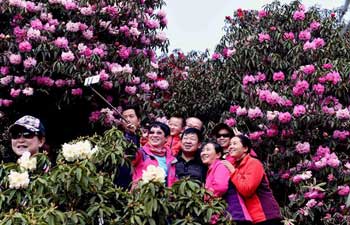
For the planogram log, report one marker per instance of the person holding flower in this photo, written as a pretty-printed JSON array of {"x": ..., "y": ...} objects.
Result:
[{"x": 249, "y": 178}]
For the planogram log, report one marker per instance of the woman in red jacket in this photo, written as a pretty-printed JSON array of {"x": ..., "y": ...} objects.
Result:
[{"x": 249, "y": 178}]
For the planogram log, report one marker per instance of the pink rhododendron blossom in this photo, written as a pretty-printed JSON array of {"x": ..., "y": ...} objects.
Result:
[
  {"x": 29, "y": 63},
  {"x": 303, "y": 148},
  {"x": 288, "y": 36},
  {"x": 19, "y": 79},
  {"x": 300, "y": 87},
  {"x": 263, "y": 37},
  {"x": 333, "y": 77},
  {"x": 271, "y": 115},
  {"x": 343, "y": 190},
  {"x": 94, "y": 116},
  {"x": 131, "y": 90},
  {"x": 230, "y": 122},
  {"x": 309, "y": 46},
  {"x": 88, "y": 34},
  {"x": 33, "y": 34},
  {"x": 300, "y": 177},
  {"x": 152, "y": 75},
  {"x": 314, "y": 194},
  {"x": 28, "y": 91},
  {"x": 107, "y": 85},
  {"x": 241, "y": 111},
  {"x": 262, "y": 14},
  {"x": 311, "y": 203},
  {"x": 256, "y": 135},
  {"x": 233, "y": 108},
  {"x": 255, "y": 113},
  {"x": 44, "y": 81},
  {"x": 6, "y": 102},
  {"x": 162, "y": 84},
  {"x": 61, "y": 42},
  {"x": 287, "y": 133},
  {"x": 248, "y": 79},
  {"x": 332, "y": 160},
  {"x": 103, "y": 75},
  {"x": 305, "y": 35},
  {"x": 19, "y": 33},
  {"x": 6, "y": 80},
  {"x": 87, "y": 11},
  {"x": 145, "y": 87},
  {"x": 77, "y": 91},
  {"x": 152, "y": 23},
  {"x": 299, "y": 15},
  {"x": 299, "y": 110},
  {"x": 271, "y": 132},
  {"x": 70, "y": 5},
  {"x": 330, "y": 177},
  {"x": 135, "y": 80},
  {"x": 260, "y": 76},
  {"x": 328, "y": 110},
  {"x": 72, "y": 27},
  {"x": 292, "y": 197},
  {"x": 36, "y": 24},
  {"x": 318, "y": 89},
  {"x": 308, "y": 69},
  {"x": 4, "y": 70},
  {"x": 278, "y": 76},
  {"x": 60, "y": 83},
  {"x": 25, "y": 46},
  {"x": 15, "y": 92},
  {"x": 227, "y": 52},
  {"x": 127, "y": 68},
  {"x": 343, "y": 114},
  {"x": 284, "y": 117},
  {"x": 216, "y": 56},
  {"x": 315, "y": 25},
  {"x": 161, "y": 36},
  {"x": 341, "y": 135},
  {"x": 327, "y": 66},
  {"x": 15, "y": 59},
  {"x": 319, "y": 42},
  {"x": 67, "y": 56},
  {"x": 124, "y": 52},
  {"x": 272, "y": 98}
]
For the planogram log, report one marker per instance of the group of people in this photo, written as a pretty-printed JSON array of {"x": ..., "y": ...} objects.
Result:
[{"x": 225, "y": 164}]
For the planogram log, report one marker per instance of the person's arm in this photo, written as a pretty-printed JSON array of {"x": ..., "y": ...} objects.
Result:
[
  {"x": 248, "y": 178},
  {"x": 219, "y": 184}
]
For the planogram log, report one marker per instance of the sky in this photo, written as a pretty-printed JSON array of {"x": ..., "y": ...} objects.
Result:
[{"x": 197, "y": 24}]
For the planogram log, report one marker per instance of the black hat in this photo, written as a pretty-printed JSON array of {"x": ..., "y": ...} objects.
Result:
[{"x": 221, "y": 126}]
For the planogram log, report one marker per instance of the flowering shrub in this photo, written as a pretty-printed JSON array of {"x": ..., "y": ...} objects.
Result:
[
  {"x": 82, "y": 191},
  {"x": 293, "y": 68}
]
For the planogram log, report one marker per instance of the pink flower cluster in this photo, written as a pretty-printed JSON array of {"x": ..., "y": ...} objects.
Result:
[
  {"x": 303, "y": 148},
  {"x": 264, "y": 37}
]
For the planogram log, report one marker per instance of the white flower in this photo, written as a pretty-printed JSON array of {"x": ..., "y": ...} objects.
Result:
[
  {"x": 26, "y": 162},
  {"x": 18, "y": 180},
  {"x": 153, "y": 173},
  {"x": 80, "y": 150}
]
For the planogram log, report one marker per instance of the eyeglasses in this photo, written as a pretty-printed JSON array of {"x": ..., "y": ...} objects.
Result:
[
  {"x": 223, "y": 135},
  {"x": 25, "y": 134}
]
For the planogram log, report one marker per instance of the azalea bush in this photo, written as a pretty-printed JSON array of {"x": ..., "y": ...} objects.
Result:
[
  {"x": 48, "y": 48},
  {"x": 80, "y": 189},
  {"x": 292, "y": 65}
]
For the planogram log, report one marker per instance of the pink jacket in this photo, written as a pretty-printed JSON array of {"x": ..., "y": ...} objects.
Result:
[
  {"x": 217, "y": 180},
  {"x": 144, "y": 158}
]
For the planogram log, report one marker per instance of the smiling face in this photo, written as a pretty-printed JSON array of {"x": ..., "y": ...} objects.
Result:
[
  {"x": 209, "y": 155},
  {"x": 223, "y": 138},
  {"x": 190, "y": 143},
  {"x": 26, "y": 141},
  {"x": 236, "y": 149},
  {"x": 175, "y": 125},
  {"x": 156, "y": 137}
]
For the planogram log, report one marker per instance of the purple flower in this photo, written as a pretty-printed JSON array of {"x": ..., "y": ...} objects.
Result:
[
  {"x": 343, "y": 190},
  {"x": 303, "y": 148},
  {"x": 25, "y": 46},
  {"x": 278, "y": 76},
  {"x": 124, "y": 52},
  {"x": 131, "y": 90}
]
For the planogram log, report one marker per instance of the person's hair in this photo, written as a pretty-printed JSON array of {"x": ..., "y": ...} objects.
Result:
[
  {"x": 183, "y": 121},
  {"x": 192, "y": 131},
  {"x": 245, "y": 141},
  {"x": 217, "y": 147},
  {"x": 165, "y": 128},
  {"x": 222, "y": 126},
  {"x": 134, "y": 107}
]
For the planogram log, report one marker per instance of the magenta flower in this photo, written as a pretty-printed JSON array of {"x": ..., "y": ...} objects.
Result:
[
  {"x": 299, "y": 15},
  {"x": 248, "y": 79},
  {"x": 278, "y": 76},
  {"x": 303, "y": 148},
  {"x": 131, "y": 90},
  {"x": 77, "y": 92},
  {"x": 304, "y": 35},
  {"x": 29, "y": 63},
  {"x": 311, "y": 203},
  {"x": 271, "y": 132},
  {"x": 4, "y": 70},
  {"x": 107, "y": 85},
  {"x": 288, "y": 36},
  {"x": 216, "y": 56},
  {"x": 343, "y": 190},
  {"x": 15, "y": 92},
  {"x": 15, "y": 59},
  {"x": 241, "y": 111},
  {"x": 262, "y": 14},
  {"x": 152, "y": 75},
  {"x": 67, "y": 56},
  {"x": 233, "y": 108},
  {"x": 230, "y": 122},
  {"x": 315, "y": 25},
  {"x": 327, "y": 66},
  {"x": 300, "y": 87},
  {"x": 228, "y": 52},
  {"x": 94, "y": 116},
  {"x": 60, "y": 83},
  {"x": 256, "y": 135},
  {"x": 28, "y": 91},
  {"x": 72, "y": 27},
  {"x": 299, "y": 110},
  {"x": 19, "y": 79},
  {"x": 319, "y": 42},
  {"x": 308, "y": 69},
  {"x": 284, "y": 117},
  {"x": 145, "y": 87},
  {"x": 263, "y": 37},
  {"x": 260, "y": 76},
  {"x": 135, "y": 80},
  {"x": 309, "y": 46},
  {"x": 124, "y": 52},
  {"x": 341, "y": 135},
  {"x": 343, "y": 114},
  {"x": 25, "y": 46},
  {"x": 6, "y": 80}
]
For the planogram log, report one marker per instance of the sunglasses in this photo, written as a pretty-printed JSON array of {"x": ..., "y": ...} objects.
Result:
[
  {"x": 24, "y": 134},
  {"x": 223, "y": 135}
]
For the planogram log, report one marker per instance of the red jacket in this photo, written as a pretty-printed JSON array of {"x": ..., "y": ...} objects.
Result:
[
  {"x": 252, "y": 184},
  {"x": 174, "y": 143}
]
